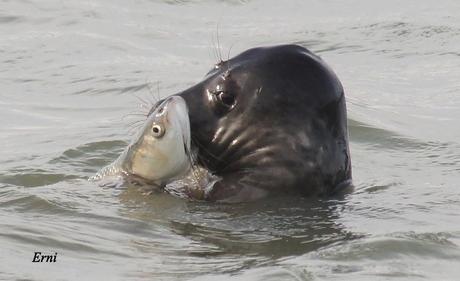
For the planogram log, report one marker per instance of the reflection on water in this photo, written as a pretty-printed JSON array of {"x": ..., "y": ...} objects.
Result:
[
  {"x": 272, "y": 228},
  {"x": 73, "y": 73}
]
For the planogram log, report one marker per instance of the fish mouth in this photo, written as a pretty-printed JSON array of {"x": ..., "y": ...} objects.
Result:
[
  {"x": 176, "y": 114},
  {"x": 155, "y": 106}
]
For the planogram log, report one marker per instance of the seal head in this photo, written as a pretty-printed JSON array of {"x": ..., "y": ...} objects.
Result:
[{"x": 270, "y": 120}]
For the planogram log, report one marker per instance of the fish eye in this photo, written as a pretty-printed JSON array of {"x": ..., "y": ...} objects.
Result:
[{"x": 158, "y": 131}]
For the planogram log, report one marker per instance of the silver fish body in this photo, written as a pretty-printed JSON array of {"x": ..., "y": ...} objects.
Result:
[{"x": 160, "y": 153}]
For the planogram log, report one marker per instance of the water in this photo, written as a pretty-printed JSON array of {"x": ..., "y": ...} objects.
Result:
[{"x": 70, "y": 73}]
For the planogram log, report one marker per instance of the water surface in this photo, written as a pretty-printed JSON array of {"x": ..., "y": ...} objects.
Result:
[{"x": 72, "y": 72}]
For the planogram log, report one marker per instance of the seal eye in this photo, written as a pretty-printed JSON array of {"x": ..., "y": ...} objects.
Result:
[
  {"x": 158, "y": 131},
  {"x": 226, "y": 98}
]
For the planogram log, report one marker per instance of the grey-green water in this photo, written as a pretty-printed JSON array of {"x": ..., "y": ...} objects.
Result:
[{"x": 69, "y": 74}]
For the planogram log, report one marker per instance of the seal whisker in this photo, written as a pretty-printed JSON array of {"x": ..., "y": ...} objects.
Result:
[
  {"x": 263, "y": 155},
  {"x": 157, "y": 96},
  {"x": 216, "y": 56},
  {"x": 146, "y": 109},
  {"x": 132, "y": 130},
  {"x": 135, "y": 124},
  {"x": 243, "y": 145},
  {"x": 154, "y": 97},
  {"x": 228, "y": 57},
  {"x": 226, "y": 135},
  {"x": 142, "y": 101},
  {"x": 219, "y": 50},
  {"x": 229, "y": 51},
  {"x": 133, "y": 114}
]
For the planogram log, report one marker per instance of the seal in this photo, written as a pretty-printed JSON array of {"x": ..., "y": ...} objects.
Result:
[{"x": 270, "y": 120}]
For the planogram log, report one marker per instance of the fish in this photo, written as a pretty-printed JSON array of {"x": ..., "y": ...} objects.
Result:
[{"x": 161, "y": 151}]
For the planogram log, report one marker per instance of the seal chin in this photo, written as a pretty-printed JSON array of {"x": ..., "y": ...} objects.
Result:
[{"x": 268, "y": 121}]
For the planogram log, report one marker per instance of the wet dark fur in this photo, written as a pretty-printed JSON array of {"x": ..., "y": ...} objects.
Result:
[{"x": 271, "y": 120}]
